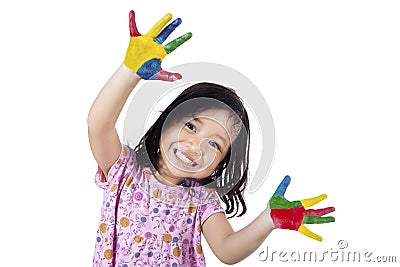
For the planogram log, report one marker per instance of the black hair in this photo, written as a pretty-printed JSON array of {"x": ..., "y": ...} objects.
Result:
[{"x": 231, "y": 174}]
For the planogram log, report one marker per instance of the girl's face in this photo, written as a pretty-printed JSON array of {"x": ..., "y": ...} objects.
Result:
[{"x": 194, "y": 146}]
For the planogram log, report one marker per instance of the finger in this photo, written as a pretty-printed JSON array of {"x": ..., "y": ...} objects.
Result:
[
  {"x": 167, "y": 31},
  {"x": 308, "y": 202},
  {"x": 305, "y": 231},
  {"x": 167, "y": 76},
  {"x": 317, "y": 219},
  {"x": 319, "y": 212},
  {"x": 281, "y": 190},
  {"x": 171, "y": 46},
  {"x": 159, "y": 25},
  {"x": 132, "y": 25}
]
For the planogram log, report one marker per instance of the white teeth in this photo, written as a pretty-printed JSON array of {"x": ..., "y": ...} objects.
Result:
[{"x": 182, "y": 157}]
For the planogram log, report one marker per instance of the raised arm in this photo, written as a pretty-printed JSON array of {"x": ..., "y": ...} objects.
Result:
[
  {"x": 232, "y": 247},
  {"x": 142, "y": 61},
  {"x": 103, "y": 137}
]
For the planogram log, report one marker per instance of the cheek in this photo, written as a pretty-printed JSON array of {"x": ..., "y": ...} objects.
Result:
[
  {"x": 212, "y": 159},
  {"x": 209, "y": 154},
  {"x": 167, "y": 137},
  {"x": 173, "y": 135}
]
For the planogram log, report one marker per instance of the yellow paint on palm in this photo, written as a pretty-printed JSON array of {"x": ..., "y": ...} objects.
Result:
[
  {"x": 308, "y": 202},
  {"x": 142, "y": 49},
  {"x": 145, "y": 52}
]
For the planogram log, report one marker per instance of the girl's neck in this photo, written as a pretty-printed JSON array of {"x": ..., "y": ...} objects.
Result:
[{"x": 163, "y": 175}]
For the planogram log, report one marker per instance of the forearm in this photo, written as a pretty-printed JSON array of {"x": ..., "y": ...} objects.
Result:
[
  {"x": 108, "y": 104},
  {"x": 239, "y": 245}
]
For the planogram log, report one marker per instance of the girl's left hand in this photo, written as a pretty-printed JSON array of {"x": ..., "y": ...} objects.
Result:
[
  {"x": 292, "y": 215},
  {"x": 145, "y": 52}
]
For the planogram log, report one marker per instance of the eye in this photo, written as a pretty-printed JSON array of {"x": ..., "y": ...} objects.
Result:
[
  {"x": 191, "y": 126},
  {"x": 213, "y": 144}
]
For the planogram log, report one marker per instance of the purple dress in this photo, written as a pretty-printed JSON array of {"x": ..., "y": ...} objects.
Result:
[{"x": 146, "y": 223}]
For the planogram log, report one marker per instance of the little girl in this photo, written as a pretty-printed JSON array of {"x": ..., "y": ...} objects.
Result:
[{"x": 160, "y": 196}]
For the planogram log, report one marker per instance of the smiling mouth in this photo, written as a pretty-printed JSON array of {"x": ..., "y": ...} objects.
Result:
[{"x": 182, "y": 158}]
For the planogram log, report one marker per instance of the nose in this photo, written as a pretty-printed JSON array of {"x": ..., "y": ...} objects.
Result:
[{"x": 193, "y": 145}]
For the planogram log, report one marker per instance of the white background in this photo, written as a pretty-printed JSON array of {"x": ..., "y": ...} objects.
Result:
[{"x": 329, "y": 71}]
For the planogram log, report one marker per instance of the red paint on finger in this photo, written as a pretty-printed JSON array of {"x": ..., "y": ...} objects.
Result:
[
  {"x": 168, "y": 76},
  {"x": 132, "y": 25},
  {"x": 319, "y": 212}
]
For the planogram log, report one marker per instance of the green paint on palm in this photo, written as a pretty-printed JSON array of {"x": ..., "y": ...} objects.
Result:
[{"x": 280, "y": 202}]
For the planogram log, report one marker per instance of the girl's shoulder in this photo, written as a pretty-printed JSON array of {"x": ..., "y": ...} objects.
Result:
[{"x": 126, "y": 165}]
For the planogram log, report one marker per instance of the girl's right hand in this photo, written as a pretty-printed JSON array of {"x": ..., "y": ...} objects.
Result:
[{"x": 145, "y": 52}]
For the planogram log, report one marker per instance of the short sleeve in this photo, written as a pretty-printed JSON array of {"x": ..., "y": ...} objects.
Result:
[
  {"x": 125, "y": 165},
  {"x": 209, "y": 209}
]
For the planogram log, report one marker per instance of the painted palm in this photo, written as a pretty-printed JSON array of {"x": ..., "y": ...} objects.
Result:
[
  {"x": 146, "y": 52},
  {"x": 293, "y": 215}
]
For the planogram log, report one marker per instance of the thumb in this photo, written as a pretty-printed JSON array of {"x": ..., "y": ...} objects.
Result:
[{"x": 167, "y": 76}]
